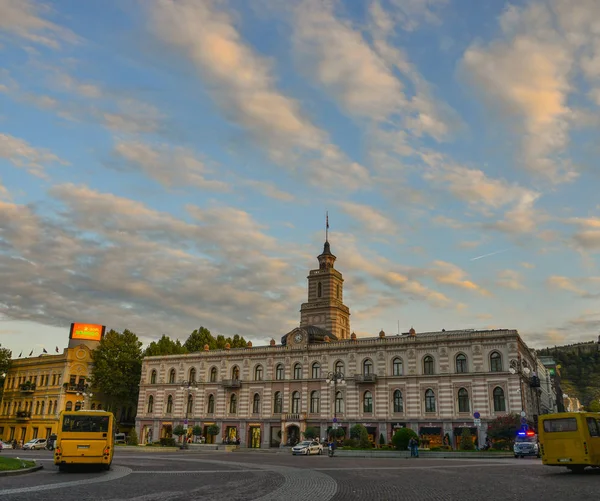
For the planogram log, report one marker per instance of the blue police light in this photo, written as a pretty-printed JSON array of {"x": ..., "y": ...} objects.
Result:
[{"x": 522, "y": 433}]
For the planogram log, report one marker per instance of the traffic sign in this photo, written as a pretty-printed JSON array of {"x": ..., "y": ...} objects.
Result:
[
  {"x": 185, "y": 422},
  {"x": 476, "y": 415},
  {"x": 477, "y": 422},
  {"x": 523, "y": 414},
  {"x": 335, "y": 420}
]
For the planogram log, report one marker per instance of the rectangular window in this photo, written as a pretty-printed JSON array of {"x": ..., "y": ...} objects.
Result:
[
  {"x": 558, "y": 425},
  {"x": 593, "y": 427},
  {"x": 77, "y": 423},
  {"x": 73, "y": 380},
  {"x": 35, "y": 433}
]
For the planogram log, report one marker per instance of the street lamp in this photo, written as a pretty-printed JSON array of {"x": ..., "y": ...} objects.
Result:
[
  {"x": 187, "y": 385},
  {"x": 518, "y": 366},
  {"x": 335, "y": 378},
  {"x": 84, "y": 393}
]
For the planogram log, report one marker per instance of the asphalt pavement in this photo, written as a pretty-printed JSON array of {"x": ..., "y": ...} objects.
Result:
[{"x": 187, "y": 476}]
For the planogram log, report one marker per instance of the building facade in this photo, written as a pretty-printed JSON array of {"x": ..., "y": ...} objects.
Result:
[
  {"x": 36, "y": 389},
  {"x": 436, "y": 383}
]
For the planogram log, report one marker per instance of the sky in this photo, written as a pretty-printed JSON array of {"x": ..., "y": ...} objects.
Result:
[{"x": 168, "y": 164}]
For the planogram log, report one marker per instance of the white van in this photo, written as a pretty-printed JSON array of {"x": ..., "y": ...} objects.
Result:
[{"x": 120, "y": 438}]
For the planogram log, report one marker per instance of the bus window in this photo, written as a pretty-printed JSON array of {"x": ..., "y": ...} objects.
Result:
[
  {"x": 75, "y": 423},
  {"x": 562, "y": 424},
  {"x": 593, "y": 427}
]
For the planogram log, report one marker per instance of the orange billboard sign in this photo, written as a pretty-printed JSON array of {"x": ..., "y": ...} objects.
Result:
[{"x": 88, "y": 332}]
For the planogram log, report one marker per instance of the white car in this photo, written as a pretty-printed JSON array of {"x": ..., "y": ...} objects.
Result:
[
  {"x": 307, "y": 447},
  {"x": 34, "y": 444},
  {"x": 5, "y": 445}
]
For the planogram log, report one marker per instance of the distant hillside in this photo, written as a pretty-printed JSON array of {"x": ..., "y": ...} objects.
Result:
[{"x": 580, "y": 369}]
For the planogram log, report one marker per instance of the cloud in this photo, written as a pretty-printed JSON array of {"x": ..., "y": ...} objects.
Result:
[
  {"x": 588, "y": 237},
  {"x": 21, "y": 154},
  {"x": 574, "y": 285},
  {"x": 110, "y": 259},
  {"x": 526, "y": 75},
  {"x": 410, "y": 14},
  {"x": 529, "y": 266},
  {"x": 26, "y": 19},
  {"x": 370, "y": 219},
  {"x": 169, "y": 165},
  {"x": 449, "y": 274},
  {"x": 510, "y": 279},
  {"x": 4, "y": 194},
  {"x": 242, "y": 83},
  {"x": 269, "y": 189}
]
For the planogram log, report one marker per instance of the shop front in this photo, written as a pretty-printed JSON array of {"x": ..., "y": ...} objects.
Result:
[
  {"x": 275, "y": 436},
  {"x": 166, "y": 430},
  {"x": 231, "y": 434},
  {"x": 254, "y": 434},
  {"x": 431, "y": 436},
  {"x": 458, "y": 431},
  {"x": 210, "y": 439}
]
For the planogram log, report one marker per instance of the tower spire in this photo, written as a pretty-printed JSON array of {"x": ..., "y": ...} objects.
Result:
[{"x": 327, "y": 226}]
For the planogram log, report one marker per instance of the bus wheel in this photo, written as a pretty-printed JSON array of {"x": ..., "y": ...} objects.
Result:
[
  {"x": 106, "y": 467},
  {"x": 576, "y": 469}
]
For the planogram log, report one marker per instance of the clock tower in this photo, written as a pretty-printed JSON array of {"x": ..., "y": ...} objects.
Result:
[{"x": 325, "y": 307}]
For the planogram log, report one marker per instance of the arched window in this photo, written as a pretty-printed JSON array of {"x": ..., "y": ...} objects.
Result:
[
  {"x": 367, "y": 402},
  {"x": 428, "y": 365},
  {"x": 172, "y": 376},
  {"x": 169, "y": 404},
  {"x": 210, "y": 407},
  {"x": 190, "y": 404},
  {"x": 69, "y": 406},
  {"x": 256, "y": 404},
  {"x": 495, "y": 362},
  {"x": 213, "y": 375},
  {"x": 153, "y": 377},
  {"x": 463, "y": 400},
  {"x": 258, "y": 373},
  {"x": 397, "y": 367},
  {"x": 296, "y": 402},
  {"x": 461, "y": 363},
  {"x": 315, "y": 400},
  {"x": 339, "y": 366},
  {"x": 277, "y": 403},
  {"x": 78, "y": 405},
  {"x": 319, "y": 290},
  {"x": 42, "y": 408},
  {"x": 235, "y": 373},
  {"x": 398, "y": 403},
  {"x": 150, "y": 404},
  {"x": 279, "y": 372},
  {"x": 233, "y": 404},
  {"x": 94, "y": 406},
  {"x": 339, "y": 402},
  {"x": 429, "y": 401},
  {"x": 316, "y": 370},
  {"x": 192, "y": 375},
  {"x": 99, "y": 406},
  {"x": 297, "y": 371},
  {"x": 367, "y": 367},
  {"x": 499, "y": 401}
]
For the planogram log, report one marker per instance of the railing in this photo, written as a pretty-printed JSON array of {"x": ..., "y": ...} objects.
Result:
[
  {"x": 294, "y": 417},
  {"x": 73, "y": 388},
  {"x": 365, "y": 378},
  {"x": 232, "y": 383},
  {"x": 27, "y": 387},
  {"x": 23, "y": 414}
]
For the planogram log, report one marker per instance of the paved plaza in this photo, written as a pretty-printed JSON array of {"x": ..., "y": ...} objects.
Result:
[{"x": 183, "y": 476}]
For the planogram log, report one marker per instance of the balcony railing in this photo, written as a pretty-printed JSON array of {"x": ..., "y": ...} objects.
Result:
[
  {"x": 295, "y": 416},
  {"x": 232, "y": 383},
  {"x": 365, "y": 378},
  {"x": 23, "y": 415},
  {"x": 27, "y": 387},
  {"x": 73, "y": 388}
]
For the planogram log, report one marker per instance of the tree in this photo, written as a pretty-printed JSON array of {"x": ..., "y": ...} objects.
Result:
[
  {"x": 133, "y": 438},
  {"x": 213, "y": 430},
  {"x": 402, "y": 437},
  {"x": 5, "y": 356},
  {"x": 117, "y": 368},
  {"x": 364, "y": 442},
  {"x": 164, "y": 346},
  {"x": 197, "y": 431},
  {"x": 594, "y": 406},
  {"x": 198, "y": 339},
  {"x": 356, "y": 430},
  {"x": 311, "y": 433},
  {"x": 179, "y": 431},
  {"x": 466, "y": 440},
  {"x": 504, "y": 428}
]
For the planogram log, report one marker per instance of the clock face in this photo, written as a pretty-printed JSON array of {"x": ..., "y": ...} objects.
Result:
[{"x": 298, "y": 337}]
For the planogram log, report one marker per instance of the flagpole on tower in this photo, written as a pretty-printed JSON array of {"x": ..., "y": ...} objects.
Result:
[{"x": 327, "y": 226}]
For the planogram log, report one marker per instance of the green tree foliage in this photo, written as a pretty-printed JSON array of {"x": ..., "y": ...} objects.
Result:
[
  {"x": 363, "y": 440},
  {"x": 213, "y": 430},
  {"x": 356, "y": 430},
  {"x": 179, "y": 431},
  {"x": 466, "y": 440},
  {"x": 164, "y": 346},
  {"x": 117, "y": 368},
  {"x": 401, "y": 438},
  {"x": 5, "y": 356},
  {"x": 202, "y": 336},
  {"x": 594, "y": 406},
  {"x": 579, "y": 369},
  {"x": 197, "y": 430},
  {"x": 504, "y": 428},
  {"x": 311, "y": 433},
  {"x": 133, "y": 438}
]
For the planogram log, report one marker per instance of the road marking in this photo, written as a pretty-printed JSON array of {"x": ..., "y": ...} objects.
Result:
[
  {"x": 115, "y": 473},
  {"x": 424, "y": 467},
  {"x": 179, "y": 472}
]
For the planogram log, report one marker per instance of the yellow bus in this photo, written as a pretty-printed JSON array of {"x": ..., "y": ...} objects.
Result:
[
  {"x": 570, "y": 439},
  {"x": 84, "y": 438}
]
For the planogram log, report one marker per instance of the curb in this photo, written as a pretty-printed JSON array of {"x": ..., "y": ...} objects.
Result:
[
  {"x": 22, "y": 471},
  {"x": 422, "y": 454},
  {"x": 149, "y": 450}
]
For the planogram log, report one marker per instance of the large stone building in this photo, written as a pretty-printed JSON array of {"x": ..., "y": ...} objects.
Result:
[{"x": 432, "y": 382}]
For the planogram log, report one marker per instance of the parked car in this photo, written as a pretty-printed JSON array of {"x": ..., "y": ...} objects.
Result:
[
  {"x": 307, "y": 447},
  {"x": 5, "y": 445},
  {"x": 51, "y": 441},
  {"x": 34, "y": 444}
]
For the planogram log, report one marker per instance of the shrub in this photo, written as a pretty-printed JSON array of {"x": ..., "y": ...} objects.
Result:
[
  {"x": 502, "y": 445},
  {"x": 466, "y": 440},
  {"x": 168, "y": 442},
  {"x": 197, "y": 430},
  {"x": 350, "y": 442},
  {"x": 179, "y": 431},
  {"x": 213, "y": 430},
  {"x": 363, "y": 441},
  {"x": 356, "y": 430},
  {"x": 381, "y": 439},
  {"x": 402, "y": 437},
  {"x": 311, "y": 433},
  {"x": 133, "y": 438}
]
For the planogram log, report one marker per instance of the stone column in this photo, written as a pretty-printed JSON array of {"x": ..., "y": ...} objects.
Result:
[{"x": 266, "y": 436}]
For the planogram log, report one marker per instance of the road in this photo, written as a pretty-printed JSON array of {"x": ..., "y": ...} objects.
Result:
[{"x": 186, "y": 476}]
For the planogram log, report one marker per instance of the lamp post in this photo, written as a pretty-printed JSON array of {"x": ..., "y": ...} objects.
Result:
[
  {"x": 334, "y": 378},
  {"x": 518, "y": 366},
  {"x": 187, "y": 385},
  {"x": 85, "y": 394}
]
